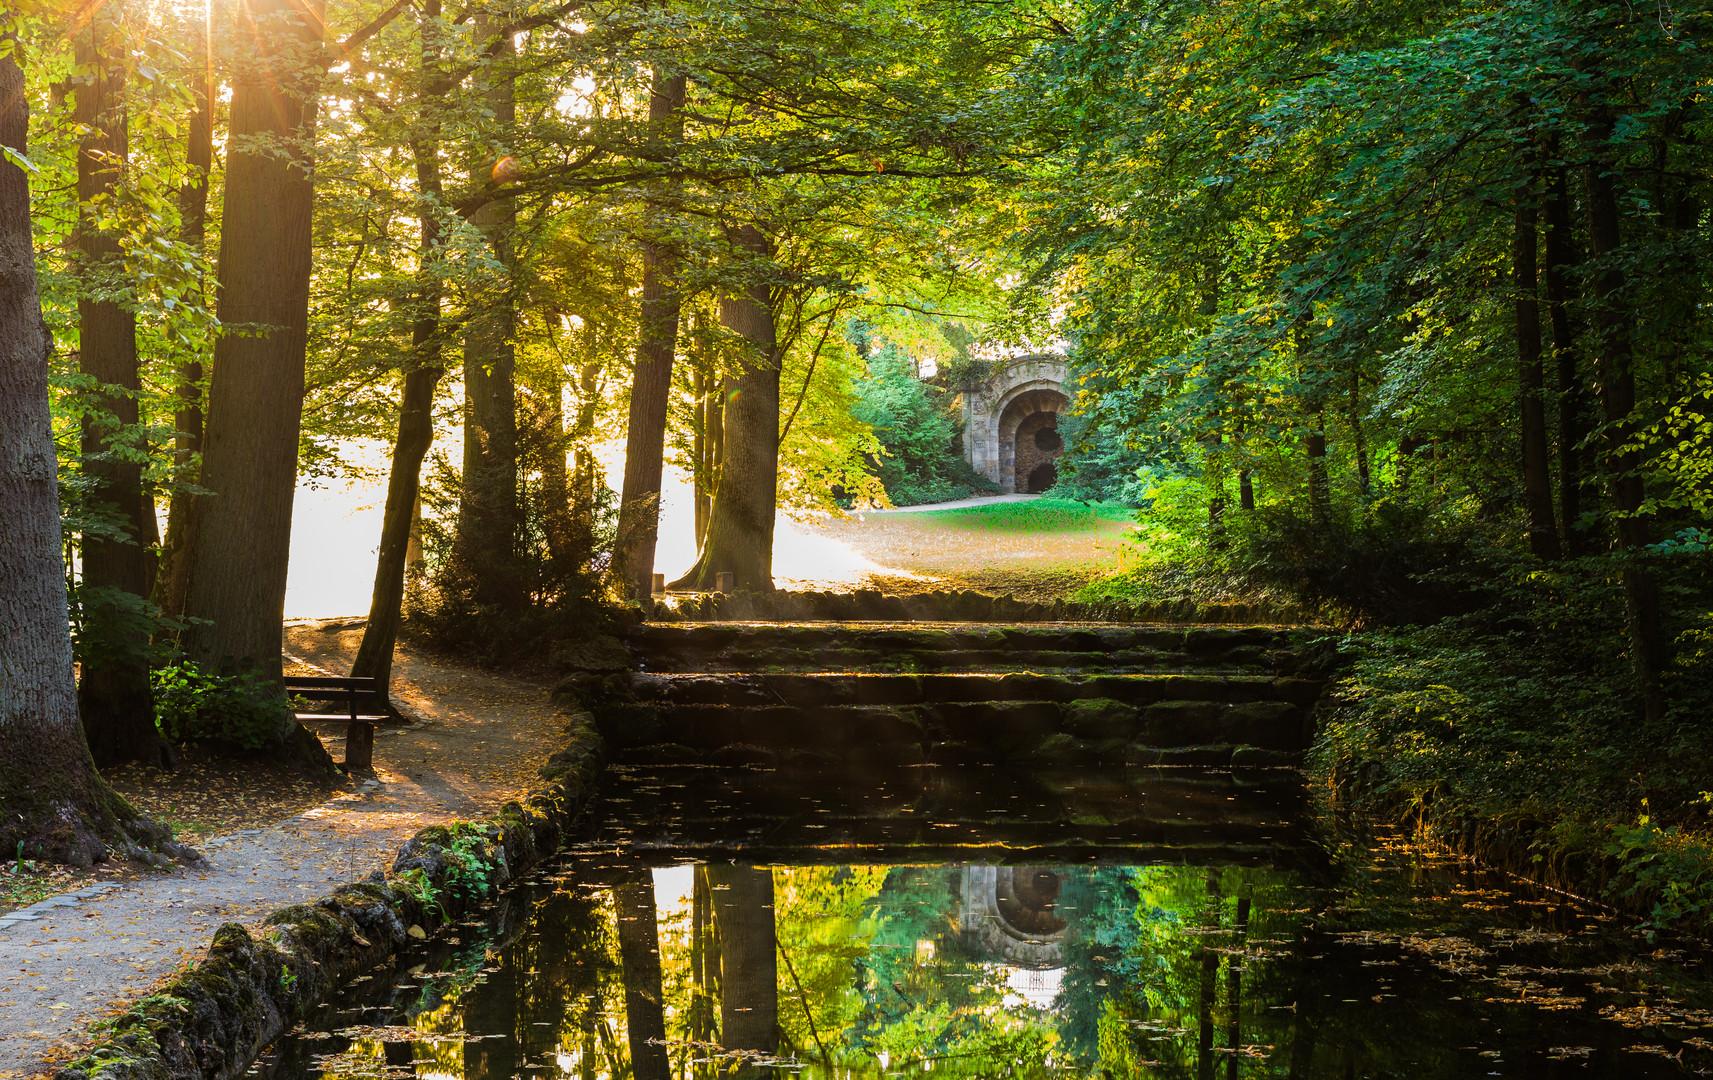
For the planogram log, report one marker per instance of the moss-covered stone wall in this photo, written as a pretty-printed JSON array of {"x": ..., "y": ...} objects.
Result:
[{"x": 213, "y": 1020}]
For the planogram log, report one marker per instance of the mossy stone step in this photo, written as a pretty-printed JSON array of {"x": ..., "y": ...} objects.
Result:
[
  {"x": 754, "y": 647},
  {"x": 810, "y": 689},
  {"x": 1061, "y": 732}
]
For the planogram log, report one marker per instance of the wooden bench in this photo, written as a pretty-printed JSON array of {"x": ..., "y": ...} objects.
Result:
[{"x": 360, "y": 734}]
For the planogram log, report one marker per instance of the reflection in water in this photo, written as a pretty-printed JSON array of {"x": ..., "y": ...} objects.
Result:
[{"x": 1385, "y": 965}]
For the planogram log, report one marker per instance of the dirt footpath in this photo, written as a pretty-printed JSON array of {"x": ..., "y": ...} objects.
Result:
[{"x": 476, "y": 742}]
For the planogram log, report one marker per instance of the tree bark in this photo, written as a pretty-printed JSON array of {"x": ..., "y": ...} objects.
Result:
[
  {"x": 699, "y": 448},
  {"x": 1359, "y": 437},
  {"x": 639, "y": 959},
  {"x": 484, "y": 548},
  {"x": 1531, "y": 380},
  {"x": 740, "y": 524},
  {"x": 416, "y": 403},
  {"x": 172, "y": 584},
  {"x": 51, "y": 800},
  {"x": 1320, "y": 499},
  {"x": 585, "y": 470},
  {"x": 558, "y": 524},
  {"x": 1617, "y": 384},
  {"x": 749, "y": 972},
  {"x": 255, "y": 396},
  {"x": 1561, "y": 259},
  {"x": 1209, "y": 983},
  {"x": 651, "y": 387},
  {"x": 1234, "y": 992},
  {"x": 1215, "y": 480},
  {"x": 114, "y": 694}
]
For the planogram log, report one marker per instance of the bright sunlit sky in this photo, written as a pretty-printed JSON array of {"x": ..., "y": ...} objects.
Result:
[{"x": 335, "y": 530}]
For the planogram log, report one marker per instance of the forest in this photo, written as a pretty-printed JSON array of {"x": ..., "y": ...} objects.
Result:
[{"x": 1388, "y": 321}]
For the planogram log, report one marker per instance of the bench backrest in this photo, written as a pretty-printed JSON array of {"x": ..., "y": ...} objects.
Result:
[{"x": 307, "y": 685}]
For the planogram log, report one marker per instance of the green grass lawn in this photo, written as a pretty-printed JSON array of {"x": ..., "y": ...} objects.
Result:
[{"x": 1034, "y": 516}]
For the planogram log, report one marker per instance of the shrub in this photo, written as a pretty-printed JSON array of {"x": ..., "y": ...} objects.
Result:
[
  {"x": 922, "y": 457},
  {"x": 194, "y": 704}
]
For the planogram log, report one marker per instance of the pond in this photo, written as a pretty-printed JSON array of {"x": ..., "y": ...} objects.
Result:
[{"x": 723, "y": 922}]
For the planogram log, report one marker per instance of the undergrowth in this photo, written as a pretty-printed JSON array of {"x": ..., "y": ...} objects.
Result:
[{"x": 1483, "y": 695}]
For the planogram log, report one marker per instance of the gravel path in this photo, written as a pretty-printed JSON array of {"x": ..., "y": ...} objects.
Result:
[{"x": 477, "y": 743}]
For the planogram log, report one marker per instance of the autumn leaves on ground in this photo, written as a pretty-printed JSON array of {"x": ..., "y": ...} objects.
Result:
[
  {"x": 471, "y": 740},
  {"x": 272, "y": 834}
]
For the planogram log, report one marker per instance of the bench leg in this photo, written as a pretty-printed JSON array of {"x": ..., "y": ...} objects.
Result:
[{"x": 359, "y": 745}]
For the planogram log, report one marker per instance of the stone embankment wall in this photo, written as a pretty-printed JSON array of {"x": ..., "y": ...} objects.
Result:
[
  {"x": 964, "y": 606},
  {"x": 813, "y": 695},
  {"x": 213, "y": 1020}
]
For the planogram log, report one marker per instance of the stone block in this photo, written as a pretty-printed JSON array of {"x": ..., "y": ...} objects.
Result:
[
  {"x": 1181, "y": 723},
  {"x": 1270, "y": 725},
  {"x": 1061, "y": 749},
  {"x": 1180, "y": 757},
  {"x": 1298, "y": 691},
  {"x": 663, "y": 754},
  {"x": 599, "y": 654},
  {"x": 742, "y": 754},
  {"x": 1101, "y": 718},
  {"x": 1254, "y": 757},
  {"x": 629, "y": 725}
]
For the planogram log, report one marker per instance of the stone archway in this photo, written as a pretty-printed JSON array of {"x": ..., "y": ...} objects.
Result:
[
  {"x": 1029, "y": 440},
  {"x": 1011, "y": 423}
]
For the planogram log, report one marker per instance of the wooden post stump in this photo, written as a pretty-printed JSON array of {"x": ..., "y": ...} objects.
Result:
[
  {"x": 723, "y": 581},
  {"x": 359, "y": 745}
]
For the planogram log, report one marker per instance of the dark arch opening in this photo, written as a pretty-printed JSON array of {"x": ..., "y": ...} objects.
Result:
[
  {"x": 1042, "y": 477},
  {"x": 1048, "y": 438}
]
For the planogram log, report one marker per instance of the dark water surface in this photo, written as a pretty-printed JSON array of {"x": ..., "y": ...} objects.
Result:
[{"x": 983, "y": 924}]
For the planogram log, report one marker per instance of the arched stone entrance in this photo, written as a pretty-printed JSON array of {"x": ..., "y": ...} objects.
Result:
[
  {"x": 1029, "y": 436},
  {"x": 1011, "y": 423}
]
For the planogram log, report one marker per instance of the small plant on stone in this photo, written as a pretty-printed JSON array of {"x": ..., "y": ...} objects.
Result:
[
  {"x": 467, "y": 864},
  {"x": 416, "y": 882}
]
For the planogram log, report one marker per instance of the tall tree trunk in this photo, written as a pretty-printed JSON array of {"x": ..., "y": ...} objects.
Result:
[
  {"x": 699, "y": 455},
  {"x": 651, "y": 387},
  {"x": 1531, "y": 380},
  {"x": 1320, "y": 498},
  {"x": 114, "y": 694},
  {"x": 1209, "y": 983},
  {"x": 1561, "y": 258},
  {"x": 172, "y": 583},
  {"x": 1617, "y": 381},
  {"x": 584, "y": 468},
  {"x": 1409, "y": 448},
  {"x": 740, "y": 525},
  {"x": 704, "y": 969},
  {"x": 557, "y": 521},
  {"x": 1245, "y": 484},
  {"x": 401, "y": 518},
  {"x": 255, "y": 395},
  {"x": 1215, "y": 473},
  {"x": 489, "y": 515},
  {"x": 50, "y": 794},
  {"x": 1234, "y": 992},
  {"x": 749, "y": 972},
  {"x": 1359, "y": 437},
  {"x": 639, "y": 958}
]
